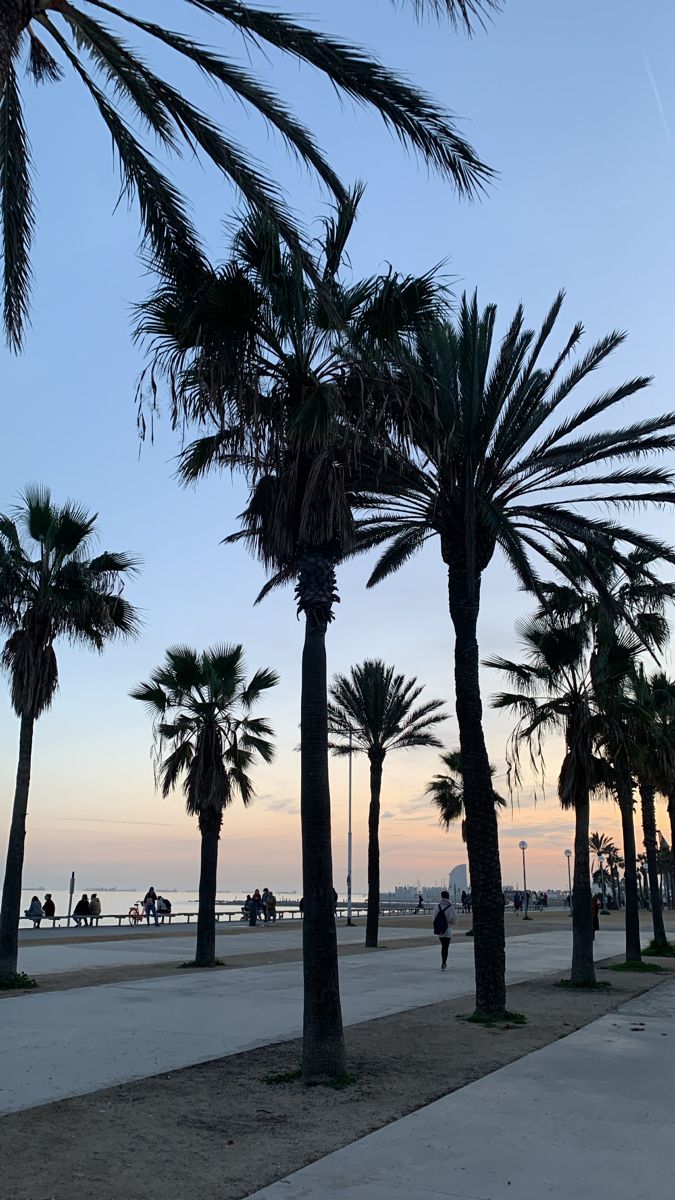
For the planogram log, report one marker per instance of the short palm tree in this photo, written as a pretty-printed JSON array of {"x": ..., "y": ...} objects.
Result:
[
  {"x": 652, "y": 745},
  {"x": 89, "y": 39},
  {"x": 447, "y": 791},
  {"x": 499, "y": 459},
  {"x": 206, "y": 737},
  {"x": 663, "y": 688},
  {"x": 373, "y": 711},
  {"x": 602, "y": 843},
  {"x": 284, "y": 376},
  {"x": 51, "y": 588},
  {"x": 552, "y": 692}
]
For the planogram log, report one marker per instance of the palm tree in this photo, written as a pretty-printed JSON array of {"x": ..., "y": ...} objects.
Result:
[
  {"x": 601, "y": 843},
  {"x": 663, "y": 689},
  {"x": 651, "y": 749},
  {"x": 374, "y": 711},
  {"x": 447, "y": 791},
  {"x": 51, "y": 588},
  {"x": 53, "y": 35},
  {"x": 285, "y": 375},
  {"x": 498, "y": 459},
  {"x": 553, "y": 693},
  {"x": 205, "y": 735}
]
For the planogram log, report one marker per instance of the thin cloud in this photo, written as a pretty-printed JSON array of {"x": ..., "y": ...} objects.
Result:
[
  {"x": 110, "y": 821},
  {"x": 657, "y": 97}
]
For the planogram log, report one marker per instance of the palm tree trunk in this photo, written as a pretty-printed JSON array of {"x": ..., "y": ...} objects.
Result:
[
  {"x": 373, "y": 917},
  {"x": 323, "y": 1053},
  {"x": 671, "y": 815},
  {"x": 14, "y": 17},
  {"x": 210, "y": 821},
  {"x": 583, "y": 967},
  {"x": 482, "y": 837},
  {"x": 649, "y": 835},
  {"x": 11, "y": 891},
  {"x": 624, "y": 791}
]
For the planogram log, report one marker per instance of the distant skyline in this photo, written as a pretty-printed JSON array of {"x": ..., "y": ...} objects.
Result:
[{"x": 573, "y": 106}]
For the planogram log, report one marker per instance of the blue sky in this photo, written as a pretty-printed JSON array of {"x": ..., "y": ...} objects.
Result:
[{"x": 573, "y": 106}]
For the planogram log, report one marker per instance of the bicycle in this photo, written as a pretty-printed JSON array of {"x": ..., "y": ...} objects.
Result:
[{"x": 136, "y": 913}]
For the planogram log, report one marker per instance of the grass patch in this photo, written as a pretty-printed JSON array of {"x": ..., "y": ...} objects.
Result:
[
  {"x": 653, "y": 968},
  {"x": 186, "y": 966},
  {"x": 18, "y": 982},
  {"x": 508, "y": 1021},
  {"x": 599, "y": 985},
  {"x": 342, "y": 1081},
  {"x": 654, "y": 951},
  {"x": 284, "y": 1076}
]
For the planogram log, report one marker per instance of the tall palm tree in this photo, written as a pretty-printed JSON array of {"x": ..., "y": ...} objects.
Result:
[
  {"x": 89, "y": 39},
  {"x": 373, "y": 711},
  {"x": 51, "y": 588},
  {"x": 285, "y": 375},
  {"x": 447, "y": 791},
  {"x": 498, "y": 459},
  {"x": 205, "y": 735}
]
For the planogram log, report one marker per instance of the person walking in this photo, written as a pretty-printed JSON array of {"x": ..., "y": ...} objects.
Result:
[
  {"x": 150, "y": 905},
  {"x": 271, "y": 906},
  {"x": 49, "y": 907},
  {"x": 94, "y": 908},
  {"x": 444, "y": 921},
  {"x": 82, "y": 911},
  {"x": 596, "y": 916},
  {"x": 34, "y": 912},
  {"x": 264, "y": 900},
  {"x": 257, "y": 900}
]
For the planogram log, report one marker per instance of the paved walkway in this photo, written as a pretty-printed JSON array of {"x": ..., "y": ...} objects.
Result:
[
  {"x": 67, "y": 1043},
  {"x": 138, "y": 949},
  {"x": 587, "y": 1117}
]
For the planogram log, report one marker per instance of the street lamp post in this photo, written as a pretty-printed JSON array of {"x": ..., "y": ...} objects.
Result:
[
  {"x": 523, "y": 846},
  {"x": 349, "y": 838},
  {"x": 568, "y": 856},
  {"x": 601, "y": 864}
]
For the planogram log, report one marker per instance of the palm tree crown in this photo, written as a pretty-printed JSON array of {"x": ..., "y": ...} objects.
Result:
[
  {"x": 447, "y": 790},
  {"x": 51, "y": 587},
  {"x": 498, "y": 461},
  {"x": 93, "y": 45},
  {"x": 381, "y": 710},
  {"x": 204, "y": 732}
]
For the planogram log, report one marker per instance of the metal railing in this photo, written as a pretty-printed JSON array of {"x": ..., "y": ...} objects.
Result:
[{"x": 292, "y": 914}]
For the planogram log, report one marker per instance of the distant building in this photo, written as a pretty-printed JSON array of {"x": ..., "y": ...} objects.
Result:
[{"x": 457, "y": 880}]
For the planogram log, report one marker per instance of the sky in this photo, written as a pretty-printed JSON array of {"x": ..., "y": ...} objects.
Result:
[{"x": 574, "y": 107}]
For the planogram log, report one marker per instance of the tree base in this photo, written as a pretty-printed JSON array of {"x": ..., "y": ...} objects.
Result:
[
  {"x": 17, "y": 981},
  {"x": 594, "y": 986},
  {"x": 505, "y": 1020},
  {"x": 197, "y": 966},
  {"x": 659, "y": 950}
]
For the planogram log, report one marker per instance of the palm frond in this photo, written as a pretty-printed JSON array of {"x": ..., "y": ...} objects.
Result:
[
  {"x": 41, "y": 65},
  {"x": 18, "y": 217},
  {"x": 410, "y": 113}
]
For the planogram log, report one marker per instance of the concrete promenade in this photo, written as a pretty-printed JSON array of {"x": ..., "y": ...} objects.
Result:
[
  {"x": 140, "y": 947},
  {"x": 65, "y": 1043},
  {"x": 590, "y": 1116}
]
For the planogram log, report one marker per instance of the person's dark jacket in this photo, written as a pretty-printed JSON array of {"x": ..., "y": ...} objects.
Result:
[
  {"x": 49, "y": 908},
  {"x": 82, "y": 909}
]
